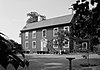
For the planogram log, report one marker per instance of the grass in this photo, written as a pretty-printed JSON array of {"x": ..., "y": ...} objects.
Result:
[{"x": 55, "y": 64}]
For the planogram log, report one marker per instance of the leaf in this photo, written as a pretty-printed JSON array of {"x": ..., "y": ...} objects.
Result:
[
  {"x": 4, "y": 65},
  {"x": 26, "y": 62},
  {"x": 17, "y": 60},
  {"x": 22, "y": 64},
  {"x": 4, "y": 62},
  {"x": 7, "y": 53},
  {"x": 15, "y": 63}
]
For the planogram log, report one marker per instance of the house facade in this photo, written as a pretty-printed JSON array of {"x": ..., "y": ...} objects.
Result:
[{"x": 35, "y": 36}]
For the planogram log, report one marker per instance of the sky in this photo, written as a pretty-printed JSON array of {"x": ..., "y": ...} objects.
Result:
[{"x": 13, "y": 13}]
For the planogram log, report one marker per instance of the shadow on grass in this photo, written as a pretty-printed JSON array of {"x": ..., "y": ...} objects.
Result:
[{"x": 55, "y": 64}]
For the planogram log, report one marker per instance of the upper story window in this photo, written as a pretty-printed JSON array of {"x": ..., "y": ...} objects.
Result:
[
  {"x": 66, "y": 28},
  {"x": 26, "y": 44},
  {"x": 26, "y": 35},
  {"x": 44, "y": 33},
  {"x": 33, "y": 34},
  {"x": 33, "y": 44},
  {"x": 66, "y": 43},
  {"x": 55, "y": 43},
  {"x": 55, "y": 30}
]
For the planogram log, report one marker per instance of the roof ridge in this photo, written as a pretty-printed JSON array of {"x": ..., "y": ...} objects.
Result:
[
  {"x": 49, "y": 22},
  {"x": 51, "y": 18}
]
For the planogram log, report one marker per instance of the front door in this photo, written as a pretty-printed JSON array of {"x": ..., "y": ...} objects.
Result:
[{"x": 43, "y": 44}]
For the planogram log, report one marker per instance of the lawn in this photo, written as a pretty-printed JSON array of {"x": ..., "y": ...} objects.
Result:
[{"x": 55, "y": 64}]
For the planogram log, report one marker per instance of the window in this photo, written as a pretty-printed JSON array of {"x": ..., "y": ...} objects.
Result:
[
  {"x": 55, "y": 43},
  {"x": 44, "y": 33},
  {"x": 84, "y": 45},
  {"x": 44, "y": 44},
  {"x": 33, "y": 34},
  {"x": 26, "y": 35},
  {"x": 66, "y": 28},
  {"x": 33, "y": 44},
  {"x": 66, "y": 43},
  {"x": 26, "y": 44},
  {"x": 55, "y": 30}
]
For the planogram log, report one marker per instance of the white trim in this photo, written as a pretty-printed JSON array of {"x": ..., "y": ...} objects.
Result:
[
  {"x": 26, "y": 46},
  {"x": 43, "y": 43},
  {"x": 55, "y": 32},
  {"x": 54, "y": 45},
  {"x": 83, "y": 44},
  {"x": 32, "y": 44},
  {"x": 45, "y": 33},
  {"x": 26, "y": 35},
  {"x": 67, "y": 44},
  {"x": 66, "y": 27},
  {"x": 33, "y": 34}
]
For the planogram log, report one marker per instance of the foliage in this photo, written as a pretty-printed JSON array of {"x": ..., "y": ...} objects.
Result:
[
  {"x": 87, "y": 22},
  {"x": 62, "y": 38},
  {"x": 8, "y": 53},
  {"x": 33, "y": 17}
]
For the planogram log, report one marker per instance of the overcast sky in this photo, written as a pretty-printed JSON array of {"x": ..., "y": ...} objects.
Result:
[{"x": 13, "y": 13}]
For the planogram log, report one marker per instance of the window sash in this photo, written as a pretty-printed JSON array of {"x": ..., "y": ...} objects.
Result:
[
  {"x": 84, "y": 43},
  {"x": 26, "y": 35},
  {"x": 66, "y": 43},
  {"x": 66, "y": 28},
  {"x": 55, "y": 45},
  {"x": 55, "y": 30},
  {"x": 33, "y": 34},
  {"x": 33, "y": 45},
  {"x": 26, "y": 44},
  {"x": 44, "y": 33}
]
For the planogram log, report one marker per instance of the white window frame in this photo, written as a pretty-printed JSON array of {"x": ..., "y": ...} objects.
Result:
[
  {"x": 55, "y": 32},
  {"x": 83, "y": 44},
  {"x": 26, "y": 46},
  {"x": 66, "y": 27},
  {"x": 45, "y": 32},
  {"x": 33, "y": 34},
  {"x": 67, "y": 45},
  {"x": 26, "y": 35},
  {"x": 54, "y": 45},
  {"x": 32, "y": 44}
]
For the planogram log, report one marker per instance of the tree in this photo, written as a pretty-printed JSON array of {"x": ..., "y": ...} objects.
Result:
[
  {"x": 62, "y": 38},
  {"x": 8, "y": 53},
  {"x": 87, "y": 22},
  {"x": 33, "y": 17}
]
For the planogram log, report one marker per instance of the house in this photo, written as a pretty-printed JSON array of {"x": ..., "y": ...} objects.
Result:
[{"x": 34, "y": 36}]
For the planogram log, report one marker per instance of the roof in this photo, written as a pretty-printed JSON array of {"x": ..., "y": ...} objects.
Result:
[{"x": 48, "y": 22}]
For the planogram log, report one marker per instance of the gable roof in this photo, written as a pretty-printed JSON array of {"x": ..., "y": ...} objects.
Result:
[{"x": 48, "y": 22}]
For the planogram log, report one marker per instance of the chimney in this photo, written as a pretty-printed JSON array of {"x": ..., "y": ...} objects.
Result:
[{"x": 41, "y": 18}]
